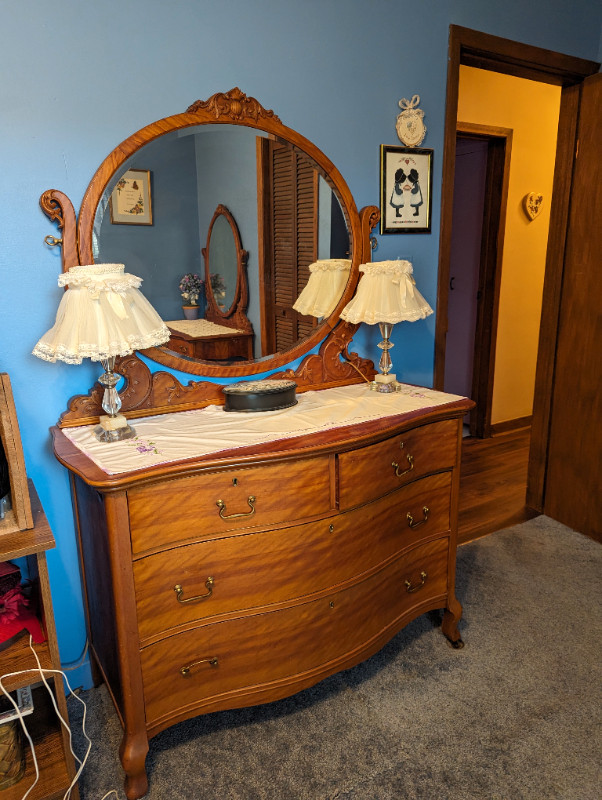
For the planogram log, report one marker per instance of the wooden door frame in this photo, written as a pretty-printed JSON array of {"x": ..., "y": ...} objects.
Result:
[
  {"x": 484, "y": 51},
  {"x": 499, "y": 141}
]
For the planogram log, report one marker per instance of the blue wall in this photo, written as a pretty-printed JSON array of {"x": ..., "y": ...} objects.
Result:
[
  {"x": 79, "y": 77},
  {"x": 169, "y": 248}
]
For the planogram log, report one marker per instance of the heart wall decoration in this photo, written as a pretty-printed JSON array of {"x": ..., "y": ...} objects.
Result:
[{"x": 532, "y": 203}]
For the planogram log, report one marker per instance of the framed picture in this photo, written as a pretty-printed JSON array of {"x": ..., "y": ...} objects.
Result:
[
  {"x": 131, "y": 202},
  {"x": 16, "y": 506},
  {"x": 406, "y": 180}
]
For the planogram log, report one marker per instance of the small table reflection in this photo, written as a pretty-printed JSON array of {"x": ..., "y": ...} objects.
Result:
[{"x": 199, "y": 338}]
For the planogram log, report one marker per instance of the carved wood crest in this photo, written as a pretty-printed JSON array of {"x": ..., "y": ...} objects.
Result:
[{"x": 234, "y": 104}]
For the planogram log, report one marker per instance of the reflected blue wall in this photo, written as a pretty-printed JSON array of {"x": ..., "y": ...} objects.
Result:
[
  {"x": 81, "y": 77},
  {"x": 226, "y": 170},
  {"x": 163, "y": 252}
]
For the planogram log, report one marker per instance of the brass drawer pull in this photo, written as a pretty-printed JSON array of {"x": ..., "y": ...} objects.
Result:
[
  {"x": 180, "y": 591},
  {"x": 410, "y": 588},
  {"x": 413, "y": 524},
  {"x": 222, "y": 507},
  {"x": 409, "y": 459},
  {"x": 185, "y": 671}
]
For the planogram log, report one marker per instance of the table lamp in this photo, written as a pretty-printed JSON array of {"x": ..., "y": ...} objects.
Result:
[
  {"x": 386, "y": 294},
  {"x": 102, "y": 315},
  {"x": 327, "y": 280}
]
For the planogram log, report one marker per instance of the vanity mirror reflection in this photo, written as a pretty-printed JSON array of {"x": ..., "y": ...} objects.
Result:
[
  {"x": 224, "y": 332},
  {"x": 291, "y": 207}
]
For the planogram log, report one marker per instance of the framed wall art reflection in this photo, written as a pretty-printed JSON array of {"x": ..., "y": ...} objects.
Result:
[
  {"x": 131, "y": 201},
  {"x": 406, "y": 180}
]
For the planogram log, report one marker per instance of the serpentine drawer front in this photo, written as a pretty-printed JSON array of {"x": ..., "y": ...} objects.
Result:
[
  {"x": 372, "y": 471},
  {"x": 240, "y": 577},
  {"x": 244, "y": 653},
  {"x": 245, "y": 571},
  {"x": 222, "y": 501}
]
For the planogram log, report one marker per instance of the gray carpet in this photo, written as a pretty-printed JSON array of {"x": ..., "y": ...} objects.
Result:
[{"x": 515, "y": 715}]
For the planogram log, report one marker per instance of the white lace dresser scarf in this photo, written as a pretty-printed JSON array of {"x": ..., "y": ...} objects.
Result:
[{"x": 188, "y": 434}]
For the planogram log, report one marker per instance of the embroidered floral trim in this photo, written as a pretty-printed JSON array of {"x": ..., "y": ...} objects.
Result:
[{"x": 144, "y": 446}]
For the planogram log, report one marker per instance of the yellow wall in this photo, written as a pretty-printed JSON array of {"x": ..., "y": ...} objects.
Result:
[{"x": 531, "y": 110}]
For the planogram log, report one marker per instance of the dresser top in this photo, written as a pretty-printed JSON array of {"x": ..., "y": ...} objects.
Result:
[{"x": 175, "y": 443}]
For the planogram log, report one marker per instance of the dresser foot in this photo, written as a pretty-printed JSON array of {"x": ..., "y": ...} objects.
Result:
[
  {"x": 133, "y": 752},
  {"x": 449, "y": 626}
]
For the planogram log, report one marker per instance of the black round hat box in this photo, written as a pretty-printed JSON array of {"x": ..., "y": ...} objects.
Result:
[{"x": 263, "y": 395}]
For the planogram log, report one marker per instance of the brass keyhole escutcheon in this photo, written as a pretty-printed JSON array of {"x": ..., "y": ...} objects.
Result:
[
  {"x": 331, "y": 604},
  {"x": 331, "y": 528}
]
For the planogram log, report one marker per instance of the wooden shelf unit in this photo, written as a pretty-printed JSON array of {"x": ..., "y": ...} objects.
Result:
[{"x": 51, "y": 740}]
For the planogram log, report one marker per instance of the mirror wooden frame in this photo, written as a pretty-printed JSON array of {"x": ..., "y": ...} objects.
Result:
[
  {"x": 161, "y": 392},
  {"x": 235, "y": 316}
]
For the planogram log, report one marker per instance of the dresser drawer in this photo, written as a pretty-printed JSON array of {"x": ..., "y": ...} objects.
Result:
[
  {"x": 187, "y": 508},
  {"x": 225, "y": 657},
  {"x": 252, "y": 570},
  {"x": 373, "y": 471}
]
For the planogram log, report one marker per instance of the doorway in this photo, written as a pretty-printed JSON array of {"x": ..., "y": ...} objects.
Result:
[
  {"x": 473, "y": 48},
  {"x": 482, "y": 166}
]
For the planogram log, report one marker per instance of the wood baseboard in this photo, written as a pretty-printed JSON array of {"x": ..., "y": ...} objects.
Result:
[{"x": 511, "y": 425}]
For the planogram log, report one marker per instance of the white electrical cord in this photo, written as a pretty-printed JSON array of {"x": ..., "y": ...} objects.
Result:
[{"x": 80, "y": 762}]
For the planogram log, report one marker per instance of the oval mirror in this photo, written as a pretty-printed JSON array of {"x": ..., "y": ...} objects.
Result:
[
  {"x": 290, "y": 204},
  {"x": 221, "y": 267}
]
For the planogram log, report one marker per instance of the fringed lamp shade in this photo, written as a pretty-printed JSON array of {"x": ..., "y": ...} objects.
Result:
[
  {"x": 327, "y": 280},
  {"x": 386, "y": 294},
  {"x": 102, "y": 315}
]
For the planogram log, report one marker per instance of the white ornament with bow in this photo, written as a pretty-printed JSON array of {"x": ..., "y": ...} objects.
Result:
[{"x": 410, "y": 122}]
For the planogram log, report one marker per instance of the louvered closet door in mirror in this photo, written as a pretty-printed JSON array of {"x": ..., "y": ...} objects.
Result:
[{"x": 288, "y": 211}]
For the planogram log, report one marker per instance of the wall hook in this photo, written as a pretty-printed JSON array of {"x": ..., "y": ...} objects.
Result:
[{"x": 52, "y": 241}]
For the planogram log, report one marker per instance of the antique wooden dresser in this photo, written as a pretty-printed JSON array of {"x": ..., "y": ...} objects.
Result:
[
  {"x": 232, "y": 576},
  {"x": 245, "y": 575}
]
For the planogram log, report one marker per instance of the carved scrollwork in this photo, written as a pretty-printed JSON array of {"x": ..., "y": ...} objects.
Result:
[
  {"x": 373, "y": 217},
  {"x": 59, "y": 209},
  {"x": 234, "y": 104},
  {"x": 169, "y": 394},
  {"x": 83, "y": 409},
  {"x": 51, "y": 206},
  {"x": 325, "y": 368},
  {"x": 369, "y": 219},
  {"x": 161, "y": 392}
]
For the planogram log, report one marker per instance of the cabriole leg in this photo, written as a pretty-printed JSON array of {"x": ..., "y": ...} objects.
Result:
[
  {"x": 133, "y": 752},
  {"x": 449, "y": 626}
]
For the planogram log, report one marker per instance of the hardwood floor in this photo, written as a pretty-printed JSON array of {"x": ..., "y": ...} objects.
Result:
[{"x": 493, "y": 483}]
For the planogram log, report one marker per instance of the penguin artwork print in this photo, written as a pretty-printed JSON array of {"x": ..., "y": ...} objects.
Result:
[{"x": 405, "y": 190}]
